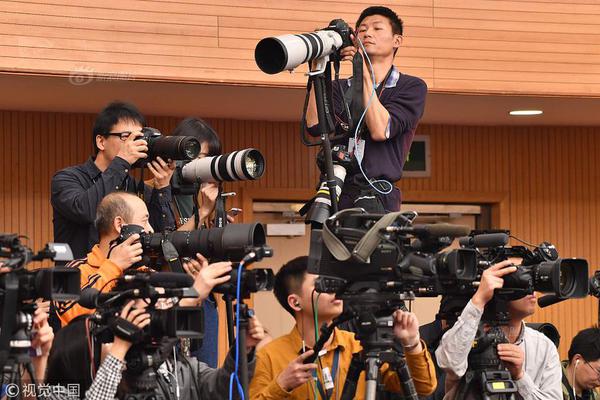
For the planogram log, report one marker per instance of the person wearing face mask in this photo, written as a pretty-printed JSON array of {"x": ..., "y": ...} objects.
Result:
[{"x": 581, "y": 372}]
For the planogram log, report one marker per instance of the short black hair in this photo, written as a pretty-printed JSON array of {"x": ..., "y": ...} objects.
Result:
[
  {"x": 289, "y": 280},
  {"x": 111, "y": 115},
  {"x": 201, "y": 130},
  {"x": 395, "y": 20},
  {"x": 587, "y": 344}
]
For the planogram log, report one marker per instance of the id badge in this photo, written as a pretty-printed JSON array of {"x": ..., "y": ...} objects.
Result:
[{"x": 357, "y": 150}]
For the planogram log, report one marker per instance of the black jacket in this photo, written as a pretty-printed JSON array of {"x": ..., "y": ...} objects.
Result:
[{"x": 76, "y": 192}]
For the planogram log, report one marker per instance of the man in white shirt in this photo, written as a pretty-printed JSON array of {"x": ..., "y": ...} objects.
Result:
[{"x": 529, "y": 356}]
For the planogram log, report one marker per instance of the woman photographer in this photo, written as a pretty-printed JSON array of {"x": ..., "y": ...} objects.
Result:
[{"x": 188, "y": 216}]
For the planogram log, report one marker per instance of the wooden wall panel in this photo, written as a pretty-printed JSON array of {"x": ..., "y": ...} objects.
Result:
[
  {"x": 518, "y": 46},
  {"x": 549, "y": 176}
]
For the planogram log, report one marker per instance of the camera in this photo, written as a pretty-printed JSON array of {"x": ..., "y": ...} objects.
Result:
[
  {"x": 395, "y": 255},
  {"x": 318, "y": 209},
  {"x": 58, "y": 283},
  {"x": 230, "y": 243},
  {"x": 541, "y": 270},
  {"x": 241, "y": 165},
  {"x": 286, "y": 52},
  {"x": 252, "y": 281},
  {"x": 20, "y": 287},
  {"x": 167, "y": 147},
  {"x": 170, "y": 323}
]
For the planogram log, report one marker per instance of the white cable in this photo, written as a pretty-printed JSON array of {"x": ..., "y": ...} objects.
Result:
[
  {"x": 176, "y": 368},
  {"x": 383, "y": 182}
]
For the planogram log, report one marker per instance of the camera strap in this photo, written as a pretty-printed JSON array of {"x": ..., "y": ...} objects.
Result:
[
  {"x": 328, "y": 377},
  {"x": 172, "y": 256},
  {"x": 367, "y": 244}
]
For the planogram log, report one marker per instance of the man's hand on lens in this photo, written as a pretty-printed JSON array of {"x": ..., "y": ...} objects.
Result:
[
  {"x": 207, "y": 276},
  {"x": 133, "y": 149},
  {"x": 406, "y": 329},
  {"x": 137, "y": 316},
  {"x": 513, "y": 358},
  {"x": 296, "y": 373},
  {"x": 127, "y": 253},
  {"x": 491, "y": 279},
  {"x": 162, "y": 172}
]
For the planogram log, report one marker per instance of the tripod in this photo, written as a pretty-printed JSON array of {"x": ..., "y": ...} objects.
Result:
[
  {"x": 486, "y": 374},
  {"x": 142, "y": 363},
  {"x": 373, "y": 312}
]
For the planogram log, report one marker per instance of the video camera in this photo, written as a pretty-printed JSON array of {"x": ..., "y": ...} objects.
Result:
[
  {"x": 406, "y": 258},
  {"x": 184, "y": 322},
  {"x": 541, "y": 268},
  {"x": 20, "y": 287}
]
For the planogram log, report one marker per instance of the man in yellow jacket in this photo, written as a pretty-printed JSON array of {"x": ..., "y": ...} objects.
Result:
[{"x": 280, "y": 372}]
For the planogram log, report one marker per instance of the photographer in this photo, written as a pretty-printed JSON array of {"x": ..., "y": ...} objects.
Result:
[
  {"x": 391, "y": 118},
  {"x": 280, "y": 371},
  {"x": 179, "y": 377},
  {"x": 107, "y": 261},
  {"x": 530, "y": 357},
  {"x": 77, "y": 191},
  {"x": 581, "y": 372},
  {"x": 183, "y": 205}
]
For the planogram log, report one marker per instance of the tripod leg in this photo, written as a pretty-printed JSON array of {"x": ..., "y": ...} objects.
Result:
[
  {"x": 406, "y": 382},
  {"x": 372, "y": 375},
  {"x": 356, "y": 367}
]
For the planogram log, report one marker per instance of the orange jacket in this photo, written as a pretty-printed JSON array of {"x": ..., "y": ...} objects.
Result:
[{"x": 97, "y": 272}]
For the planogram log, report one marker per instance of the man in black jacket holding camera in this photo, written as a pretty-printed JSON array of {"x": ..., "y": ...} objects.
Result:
[{"x": 77, "y": 191}]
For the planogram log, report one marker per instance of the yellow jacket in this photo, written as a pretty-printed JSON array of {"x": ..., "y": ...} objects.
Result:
[{"x": 275, "y": 357}]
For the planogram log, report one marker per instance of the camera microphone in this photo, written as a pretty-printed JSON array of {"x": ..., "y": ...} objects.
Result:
[{"x": 484, "y": 240}]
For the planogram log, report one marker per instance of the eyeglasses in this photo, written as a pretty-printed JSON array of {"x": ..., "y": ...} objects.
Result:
[
  {"x": 594, "y": 369},
  {"x": 121, "y": 135}
]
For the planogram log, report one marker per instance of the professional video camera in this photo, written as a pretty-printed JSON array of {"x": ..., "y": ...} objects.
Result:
[
  {"x": 167, "y": 147},
  {"x": 151, "y": 345},
  {"x": 19, "y": 288},
  {"x": 541, "y": 268},
  {"x": 286, "y": 52},
  {"x": 375, "y": 262}
]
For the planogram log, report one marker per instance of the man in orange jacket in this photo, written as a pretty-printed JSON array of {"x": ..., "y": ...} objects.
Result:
[{"x": 107, "y": 261}]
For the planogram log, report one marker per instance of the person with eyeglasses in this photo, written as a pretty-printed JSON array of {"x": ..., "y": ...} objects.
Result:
[
  {"x": 76, "y": 191},
  {"x": 581, "y": 372}
]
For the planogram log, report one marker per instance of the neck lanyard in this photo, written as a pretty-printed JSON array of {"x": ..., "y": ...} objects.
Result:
[{"x": 336, "y": 359}]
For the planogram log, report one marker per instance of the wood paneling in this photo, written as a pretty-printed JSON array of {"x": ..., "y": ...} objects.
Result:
[
  {"x": 519, "y": 46},
  {"x": 544, "y": 180}
]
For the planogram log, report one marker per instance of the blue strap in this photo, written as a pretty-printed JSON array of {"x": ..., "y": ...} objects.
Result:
[{"x": 336, "y": 360}]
